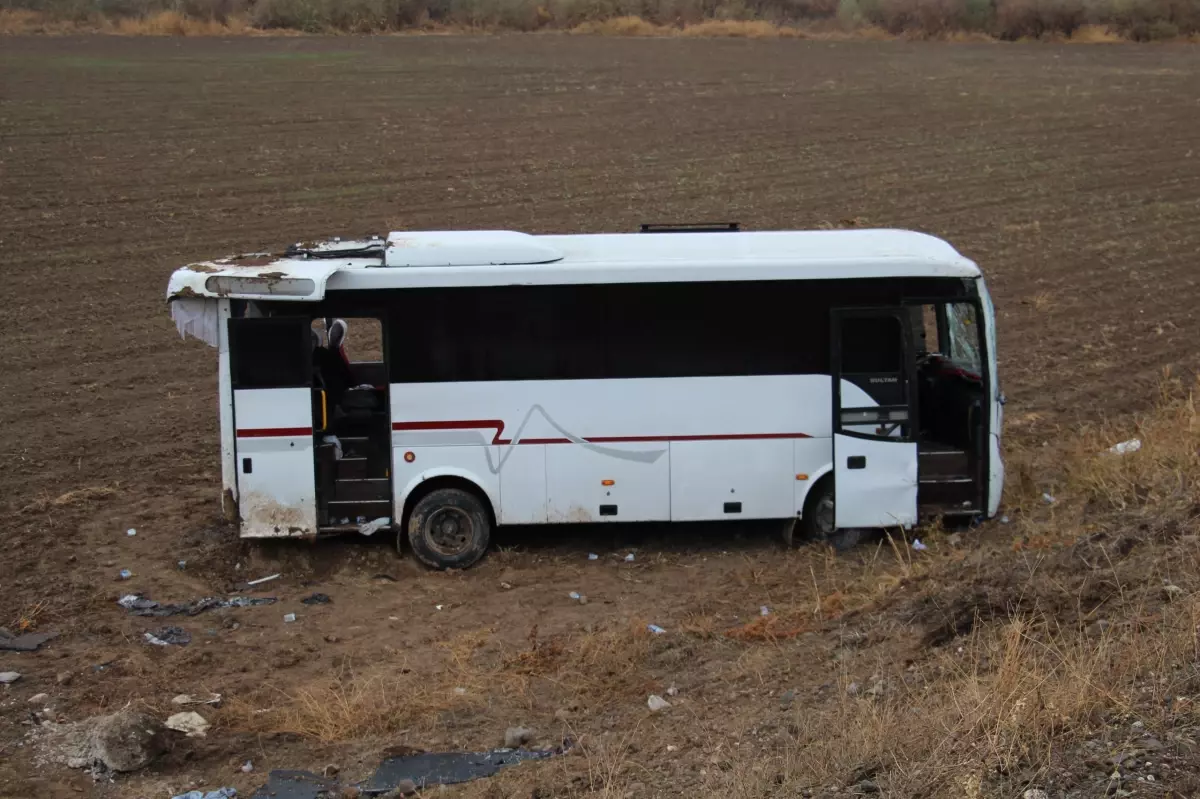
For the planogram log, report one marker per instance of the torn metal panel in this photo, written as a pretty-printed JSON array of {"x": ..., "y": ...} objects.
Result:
[{"x": 298, "y": 277}]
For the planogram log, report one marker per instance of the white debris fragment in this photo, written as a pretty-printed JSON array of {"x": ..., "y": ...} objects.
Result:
[
  {"x": 593, "y": 556},
  {"x": 374, "y": 526},
  {"x": 1125, "y": 447},
  {"x": 288, "y": 618},
  {"x": 763, "y": 610},
  {"x": 654, "y": 628},
  {"x": 189, "y": 722},
  {"x": 629, "y": 558},
  {"x": 196, "y": 699},
  {"x": 266, "y": 579},
  {"x": 131, "y": 532},
  {"x": 1004, "y": 520},
  {"x": 918, "y": 546},
  {"x": 574, "y": 595},
  {"x": 657, "y": 703},
  {"x": 1048, "y": 499}
]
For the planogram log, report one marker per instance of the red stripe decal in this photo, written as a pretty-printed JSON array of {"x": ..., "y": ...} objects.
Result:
[
  {"x": 498, "y": 426},
  {"x": 274, "y": 432}
]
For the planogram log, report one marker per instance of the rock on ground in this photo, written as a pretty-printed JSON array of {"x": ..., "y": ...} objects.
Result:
[{"x": 122, "y": 741}]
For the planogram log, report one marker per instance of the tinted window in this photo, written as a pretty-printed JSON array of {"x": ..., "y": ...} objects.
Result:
[
  {"x": 608, "y": 331},
  {"x": 271, "y": 353}
]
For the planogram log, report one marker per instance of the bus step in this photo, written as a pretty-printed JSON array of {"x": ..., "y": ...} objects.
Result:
[
  {"x": 362, "y": 490},
  {"x": 352, "y": 469}
]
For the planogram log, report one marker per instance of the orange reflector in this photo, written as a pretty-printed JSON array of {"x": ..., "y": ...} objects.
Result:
[
  {"x": 409, "y": 457},
  {"x": 802, "y": 477},
  {"x": 608, "y": 482}
]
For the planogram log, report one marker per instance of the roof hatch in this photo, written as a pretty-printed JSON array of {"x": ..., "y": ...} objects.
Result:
[{"x": 466, "y": 248}]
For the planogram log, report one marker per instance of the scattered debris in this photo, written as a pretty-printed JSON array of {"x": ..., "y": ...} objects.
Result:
[
  {"x": 852, "y": 689},
  {"x": 38, "y": 699},
  {"x": 121, "y": 741},
  {"x": 27, "y": 642},
  {"x": 672, "y": 748},
  {"x": 262, "y": 580},
  {"x": 918, "y": 546},
  {"x": 196, "y": 699},
  {"x": 189, "y": 722},
  {"x": 763, "y": 610},
  {"x": 1035, "y": 793},
  {"x": 220, "y": 793},
  {"x": 515, "y": 737},
  {"x": 1004, "y": 520},
  {"x": 288, "y": 618},
  {"x": 316, "y": 599},
  {"x": 654, "y": 628},
  {"x": 1172, "y": 591},
  {"x": 629, "y": 558},
  {"x": 574, "y": 595},
  {"x": 438, "y": 607},
  {"x": 167, "y": 636},
  {"x": 1132, "y": 445},
  {"x": 182, "y": 564},
  {"x": 124, "y": 574},
  {"x": 460, "y": 691},
  {"x": 672, "y": 691},
  {"x": 248, "y": 767},
  {"x": 374, "y": 526},
  {"x": 131, "y": 532},
  {"x": 657, "y": 703},
  {"x": 593, "y": 556},
  {"x": 1048, "y": 499},
  {"x": 139, "y": 605},
  {"x": 506, "y": 586},
  {"x": 9, "y": 677}
]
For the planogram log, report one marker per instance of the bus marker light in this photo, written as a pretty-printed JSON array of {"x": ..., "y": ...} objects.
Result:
[
  {"x": 802, "y": 477},
  {"x": 608, "y": 482},
  {"x": 409, "y": 457}
]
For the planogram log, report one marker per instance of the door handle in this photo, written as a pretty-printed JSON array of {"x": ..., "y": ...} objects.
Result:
[{"x": 856, "y": 462}]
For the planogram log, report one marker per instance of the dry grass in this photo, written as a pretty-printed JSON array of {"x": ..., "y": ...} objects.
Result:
[
  {"x": 1095, "y": 34},
  {"x": 997, "y": 708},
  {"x": 173, "y": 23}
]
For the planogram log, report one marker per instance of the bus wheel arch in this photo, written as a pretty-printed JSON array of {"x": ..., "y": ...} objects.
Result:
[
  {"x": 819, "y": 522},
  {"x": 447, "y": 522}
]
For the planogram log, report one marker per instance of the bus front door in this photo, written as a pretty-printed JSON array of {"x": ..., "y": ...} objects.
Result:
[
  {"x": 874, "y": 441},
  {"x": 271, "y": 366}
]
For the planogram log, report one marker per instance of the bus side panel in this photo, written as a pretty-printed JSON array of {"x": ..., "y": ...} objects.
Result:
[
  {"x": 523, "y": 485},
  {"x": 413, "y": 465},
  {"x": 746, "y": 479},
  {"x": 616, "y": 482}
]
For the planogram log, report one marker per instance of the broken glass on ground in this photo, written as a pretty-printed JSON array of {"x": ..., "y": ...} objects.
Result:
[{"x": 139, "y": 605}]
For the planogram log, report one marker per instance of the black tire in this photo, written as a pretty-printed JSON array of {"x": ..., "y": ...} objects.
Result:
[
  {"x": 449, "y": 529},
  {"x": 817, "y": 523}
]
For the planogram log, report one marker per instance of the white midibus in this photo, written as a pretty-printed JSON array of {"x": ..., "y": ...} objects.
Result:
[{"x": 845, "y": 379}]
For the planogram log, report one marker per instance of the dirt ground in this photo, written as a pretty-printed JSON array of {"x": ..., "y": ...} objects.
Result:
[{"x": 1071, "y": 174}]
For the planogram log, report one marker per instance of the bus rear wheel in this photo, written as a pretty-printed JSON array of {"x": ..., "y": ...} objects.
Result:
[{"x": 449, "y": 529}]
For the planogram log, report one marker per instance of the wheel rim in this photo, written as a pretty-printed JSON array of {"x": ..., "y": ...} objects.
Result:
[
  {"x": 823, "y": 516},
  {"x": 449, "y": 531}
]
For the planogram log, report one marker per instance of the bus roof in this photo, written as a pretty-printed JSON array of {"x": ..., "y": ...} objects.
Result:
[{"x": 492, "y": 258}]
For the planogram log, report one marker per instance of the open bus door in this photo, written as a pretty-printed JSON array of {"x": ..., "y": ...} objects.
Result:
[
  {"x": 874, "y": 430},
  {"x": 271, "y": 365}
]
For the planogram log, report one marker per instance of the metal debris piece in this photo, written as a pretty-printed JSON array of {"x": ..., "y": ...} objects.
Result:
[
  {"x": 139, "y": 605},
  {"x": 167, "y": 636}
]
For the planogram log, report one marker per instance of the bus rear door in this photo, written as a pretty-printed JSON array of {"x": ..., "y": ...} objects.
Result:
[{"x": 271, "y": 365}]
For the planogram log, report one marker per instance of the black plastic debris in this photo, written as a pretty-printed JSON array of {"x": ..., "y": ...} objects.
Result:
[
  {"x": 446, "y": 768},
  {"x": 27, "y": 642},
  {"x": 316, "y": 599},
  {"x": 166, "y": 636},
  {"x": 288, "y": 784},
  {"x": 423, "y": 769},
  {"x": 142, "y": 606}
]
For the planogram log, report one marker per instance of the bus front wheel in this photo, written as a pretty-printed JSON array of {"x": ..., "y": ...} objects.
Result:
[
  {"x": 449, "y": 529},
  {"x": 819, "y": 520}
]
